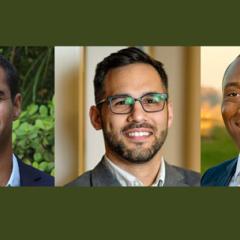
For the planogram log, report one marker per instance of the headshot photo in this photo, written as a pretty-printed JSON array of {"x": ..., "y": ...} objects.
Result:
[
  {"x": 136, "y": 122},
  {"x": 26, "y": 116},
  {"x": 220, "y": 117}
]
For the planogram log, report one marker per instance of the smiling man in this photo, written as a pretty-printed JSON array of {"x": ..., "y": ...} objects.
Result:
[
  {"x": 228, "y": 172},
  {"x": 13, "y": 172},
  {"x": 134, "y": 113}
]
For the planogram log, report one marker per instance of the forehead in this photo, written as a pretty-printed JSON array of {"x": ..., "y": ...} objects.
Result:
[
  {"x": 3, "y": 84},
  {"x": 232, "y": 76},
  {"x": 135, "y": 79}
]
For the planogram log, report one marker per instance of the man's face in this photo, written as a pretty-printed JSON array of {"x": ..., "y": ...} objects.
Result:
[
  {"x": 137, "y": 136},
  {"x": 231, "y": 103},
  {"x": 8, "y": 110}
]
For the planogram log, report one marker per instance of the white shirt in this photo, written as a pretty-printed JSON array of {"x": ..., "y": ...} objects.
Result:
[
  {"x": 126, "y": 179},
  {"x": 235, "y": 181},
  {"x": 14, "y": 180}
]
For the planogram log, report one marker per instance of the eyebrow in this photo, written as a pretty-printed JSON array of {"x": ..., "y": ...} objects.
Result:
[{"x": 232, "y": 84}]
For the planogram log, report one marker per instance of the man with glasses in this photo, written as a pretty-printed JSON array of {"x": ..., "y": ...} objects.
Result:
[
  {"x": 13, "y": 172},
  {"x": 133, "y": 111}
]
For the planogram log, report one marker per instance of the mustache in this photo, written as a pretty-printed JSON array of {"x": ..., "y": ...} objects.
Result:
[{"x": 138, "y": 125}]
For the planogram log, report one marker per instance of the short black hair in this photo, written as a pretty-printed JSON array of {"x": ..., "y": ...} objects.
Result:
[
  {"x": 12, "y": 78},
  {"x": 121, "y": 58}
]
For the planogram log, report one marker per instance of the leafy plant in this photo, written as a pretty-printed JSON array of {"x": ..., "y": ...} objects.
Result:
[{"x": 33, "y": 136}]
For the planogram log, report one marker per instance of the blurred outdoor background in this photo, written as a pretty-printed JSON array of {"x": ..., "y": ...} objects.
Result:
[
  {"x": 216, "y": 144},
  {"x": 33, "y": 131}
]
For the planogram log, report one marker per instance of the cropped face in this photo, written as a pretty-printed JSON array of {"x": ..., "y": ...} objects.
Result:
[
  {"x": 9, "y": 110},
  {"x": 231, "y": 103},
  {"x": 131, "y": 133}
]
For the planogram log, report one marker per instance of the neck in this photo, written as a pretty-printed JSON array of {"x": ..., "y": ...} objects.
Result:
[
  {"x": 145, "y": 172},
  {"x": 5, "y": 163}
]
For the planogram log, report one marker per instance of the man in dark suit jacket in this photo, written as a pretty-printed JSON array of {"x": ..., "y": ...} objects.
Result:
[
  {"x": 30, "y": 176},
  {"x": 228, "y": 173},
  {"x": 134, "y": 113},
  {"x": 13, "y": 172}
]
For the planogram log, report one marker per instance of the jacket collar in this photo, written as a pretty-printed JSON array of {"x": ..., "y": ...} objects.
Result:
[
  {"x": 173, "y": 177},
  {"x": 227, "y": 173},
  {"x": 28, "y": 177},
  {"x": 101, "y": 176}
]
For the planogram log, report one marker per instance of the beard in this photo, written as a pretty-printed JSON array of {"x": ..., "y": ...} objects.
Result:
[{"x": 139, "y": 154}]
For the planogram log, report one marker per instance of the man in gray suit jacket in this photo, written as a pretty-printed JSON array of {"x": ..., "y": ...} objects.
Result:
[
  {"x": 133, "y": 110},
  {"x": 228, "y": 173}
]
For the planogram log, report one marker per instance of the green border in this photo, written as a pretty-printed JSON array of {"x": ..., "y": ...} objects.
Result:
[
  {"x": 121, "y": 213},
  {"x": 123, "y": 22},
  {"x": 43, "y": 213}
]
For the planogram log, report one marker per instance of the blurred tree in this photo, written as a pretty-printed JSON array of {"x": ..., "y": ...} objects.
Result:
[{"x": 35, "y": 66}]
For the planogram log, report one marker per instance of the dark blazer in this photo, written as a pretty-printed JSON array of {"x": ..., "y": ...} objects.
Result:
[
  {"x": 100, "y": 176},
  {"x": 30, "y": 176},
  {"x": 220, "y": 175}
]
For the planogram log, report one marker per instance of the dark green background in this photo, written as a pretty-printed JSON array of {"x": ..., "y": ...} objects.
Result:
[
  {"x": 68, "y": 213},
  {"x": 107, "y": 22}
]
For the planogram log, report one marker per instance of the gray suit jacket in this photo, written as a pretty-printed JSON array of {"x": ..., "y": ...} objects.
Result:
[{"x": 100, "y": 176}]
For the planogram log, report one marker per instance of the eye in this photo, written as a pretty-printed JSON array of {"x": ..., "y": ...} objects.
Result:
[
  {"x": 123, "y": 101},
  {"x": 151, "y": 99},
  {"x": 120, "y": 102},
  {"x": 232, "y": 94}
]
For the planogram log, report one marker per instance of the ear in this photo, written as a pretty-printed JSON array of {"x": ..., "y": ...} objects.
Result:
[
  {"x": 95, "y": 117},
  {"x": 170, "y": 114},
  {"x": 17, "y": 102}
]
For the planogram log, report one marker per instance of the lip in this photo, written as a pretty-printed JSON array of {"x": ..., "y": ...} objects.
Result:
[{"x": 138, "y": 134}]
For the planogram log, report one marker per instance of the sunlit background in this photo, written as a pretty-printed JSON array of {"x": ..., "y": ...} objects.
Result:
[{"x": 216, "y": 144}]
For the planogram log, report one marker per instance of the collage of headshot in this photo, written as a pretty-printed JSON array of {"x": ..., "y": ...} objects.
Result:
[{"x": 119, "y": 116}]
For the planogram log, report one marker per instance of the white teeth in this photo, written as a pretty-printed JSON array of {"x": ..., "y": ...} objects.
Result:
[{"x": 138, "y": 134}]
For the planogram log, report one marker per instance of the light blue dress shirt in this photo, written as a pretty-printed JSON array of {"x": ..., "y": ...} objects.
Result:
[{"x": 14, "y": 180}]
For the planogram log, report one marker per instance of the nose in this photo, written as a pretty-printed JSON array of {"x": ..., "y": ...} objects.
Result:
[{"x": 137, "y": 114}]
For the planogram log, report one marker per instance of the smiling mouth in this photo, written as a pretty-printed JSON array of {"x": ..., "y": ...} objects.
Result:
[{"x": 138, "y": 134}]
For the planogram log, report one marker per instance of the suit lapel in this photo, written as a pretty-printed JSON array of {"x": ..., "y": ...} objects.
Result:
[
  {"x": 27, "y": 176},
  {"x": 173, "y": 177},
  {"x": 227, "y": 173},
  {"x": 101, "y": 176}
]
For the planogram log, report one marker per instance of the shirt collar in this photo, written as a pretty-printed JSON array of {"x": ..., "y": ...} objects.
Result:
[
  {"x": 237, "y": 172},
  {"x": 127, "y": 179},
  {"x": 14, "y": 180}
]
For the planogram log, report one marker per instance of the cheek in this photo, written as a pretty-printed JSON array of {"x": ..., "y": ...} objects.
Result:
[
  {"x": 228, "y": 110},
  {"x": 5, "y": 114},
  {"x": 114, "y": 123},
  {"x": 160, "y": 120}
]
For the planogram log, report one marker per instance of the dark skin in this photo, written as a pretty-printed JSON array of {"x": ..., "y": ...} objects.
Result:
[
  {"x": 231, "y": 100},
  {"x": 9, "y": 111}
]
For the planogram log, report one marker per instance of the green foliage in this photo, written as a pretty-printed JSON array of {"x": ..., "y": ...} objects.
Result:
[
  {"x": 33, "y": 136},
  {"x": 217, "y": 148},
  {"x": 35, "y": 66}
]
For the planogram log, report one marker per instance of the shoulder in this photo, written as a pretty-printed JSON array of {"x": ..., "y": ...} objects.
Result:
[
  {"x": 178, "y": 176},
  {"x": 30, "y": 176},
  {"x": 191, "y": 177},
  {"x": 82, "y": 181},
  {"x": 216, "y": 174}
]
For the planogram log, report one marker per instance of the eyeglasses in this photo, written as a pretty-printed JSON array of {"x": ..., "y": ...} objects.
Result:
[{"x": 124, "y": 104}]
